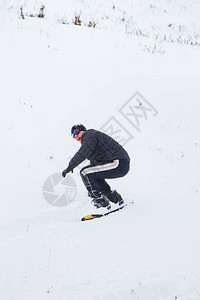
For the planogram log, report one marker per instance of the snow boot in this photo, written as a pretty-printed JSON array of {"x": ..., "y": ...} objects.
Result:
[
  {"x": 114, "y": 197},
  {"x": 101, "y": 202}
]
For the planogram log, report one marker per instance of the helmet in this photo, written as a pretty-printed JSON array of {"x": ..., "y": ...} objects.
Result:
[{"x": 79, "y": 127}]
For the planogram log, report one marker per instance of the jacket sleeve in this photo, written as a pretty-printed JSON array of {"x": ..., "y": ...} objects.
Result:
[{"x": 87, "y": 147}]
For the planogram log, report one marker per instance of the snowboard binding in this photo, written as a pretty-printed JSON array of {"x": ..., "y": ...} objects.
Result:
[
  {"x": 101, "y": 202},
  {"x": 104, "y": 200},
  {"x": 114, "y": 197}
]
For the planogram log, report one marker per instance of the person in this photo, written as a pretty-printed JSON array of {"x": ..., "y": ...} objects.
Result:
[{"x": 108, "y": 159}]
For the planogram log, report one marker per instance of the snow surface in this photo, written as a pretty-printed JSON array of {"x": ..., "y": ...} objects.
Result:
[{"x": 54, "y": 75}]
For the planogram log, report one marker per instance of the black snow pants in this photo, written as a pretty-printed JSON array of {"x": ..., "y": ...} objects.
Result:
[{"x": 94, "y": 176}]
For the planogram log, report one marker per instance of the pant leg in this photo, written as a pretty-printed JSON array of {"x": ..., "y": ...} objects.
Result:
[
  {"x": 94, "y": 185},
  {"x": 94, "y": 176}
]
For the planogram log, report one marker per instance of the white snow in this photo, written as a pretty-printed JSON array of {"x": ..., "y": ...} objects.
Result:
[{"x": 54, "y": 75}]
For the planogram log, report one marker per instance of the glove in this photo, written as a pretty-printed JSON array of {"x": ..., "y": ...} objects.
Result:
[{"x": 66, "y": 171}]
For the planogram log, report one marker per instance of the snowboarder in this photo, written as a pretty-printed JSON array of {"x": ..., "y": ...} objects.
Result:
[{"x": 108, "y": 159}]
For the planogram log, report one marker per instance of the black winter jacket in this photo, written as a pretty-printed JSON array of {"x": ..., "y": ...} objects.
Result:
[{"x": 98, "y": 147}]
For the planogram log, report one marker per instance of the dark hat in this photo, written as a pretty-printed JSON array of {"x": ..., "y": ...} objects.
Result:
[{"x": 79, "y": 127}]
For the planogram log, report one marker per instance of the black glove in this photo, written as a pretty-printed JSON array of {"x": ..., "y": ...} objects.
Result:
[{"x": 66, "y": 171}]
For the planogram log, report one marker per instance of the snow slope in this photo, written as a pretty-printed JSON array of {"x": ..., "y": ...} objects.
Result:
[{"x": 55, "y": 75}]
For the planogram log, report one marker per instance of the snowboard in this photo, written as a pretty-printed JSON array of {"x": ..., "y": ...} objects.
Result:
[{"x": 95, "y": 216}]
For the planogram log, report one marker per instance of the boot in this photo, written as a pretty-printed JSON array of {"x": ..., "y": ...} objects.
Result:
[
  {"x": 115, "y": 197},
  {"x": 101, "y": 202}
]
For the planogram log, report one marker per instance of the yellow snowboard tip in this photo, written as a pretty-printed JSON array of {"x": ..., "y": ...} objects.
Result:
[{"x": 89, "y": 217}]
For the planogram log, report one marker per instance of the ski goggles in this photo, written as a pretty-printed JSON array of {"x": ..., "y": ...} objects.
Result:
[{"x": 75, "y": 132}]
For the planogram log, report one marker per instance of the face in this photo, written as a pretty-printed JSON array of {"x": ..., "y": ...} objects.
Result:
[{"x": 79, "y": 136}]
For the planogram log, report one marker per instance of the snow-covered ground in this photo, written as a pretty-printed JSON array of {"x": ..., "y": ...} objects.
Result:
[{"x": 54, "y": 75}]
